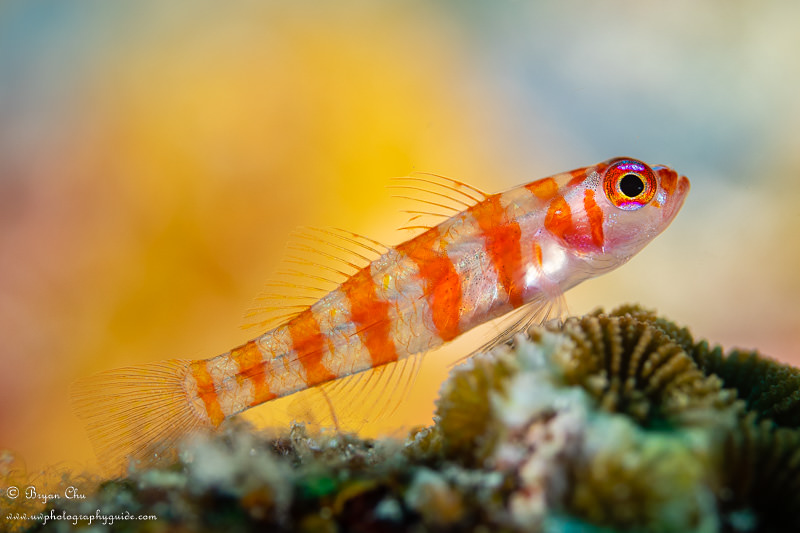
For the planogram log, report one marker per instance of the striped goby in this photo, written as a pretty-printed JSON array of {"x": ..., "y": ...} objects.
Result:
[{"x": 522, "y": 247}]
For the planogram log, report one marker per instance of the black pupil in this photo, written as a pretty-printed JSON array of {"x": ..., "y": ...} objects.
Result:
[{"x": 631, "y": 185}]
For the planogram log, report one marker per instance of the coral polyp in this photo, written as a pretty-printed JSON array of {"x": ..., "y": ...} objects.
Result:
[
  {"x": 633, "y": 367},
  {"x": 758, "y": 469},
  {"x": 768, "y": 388},
  {"x": 465, "y": 408}
]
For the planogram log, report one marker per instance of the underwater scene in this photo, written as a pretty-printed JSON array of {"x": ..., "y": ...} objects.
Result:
[{"x": 634, "y": 371}]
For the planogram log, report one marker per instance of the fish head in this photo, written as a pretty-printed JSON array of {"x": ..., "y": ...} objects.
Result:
[{"x": 638, "y": 201}]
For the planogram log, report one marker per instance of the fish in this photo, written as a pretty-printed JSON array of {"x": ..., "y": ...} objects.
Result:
[{"x": 511, "y": 254}]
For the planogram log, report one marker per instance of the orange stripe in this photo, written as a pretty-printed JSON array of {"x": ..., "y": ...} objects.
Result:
[
  {"x": 558, "y": 220},
  {"x": 308, "y": 342},
  {"x": 253, "y": 368},
  {"x": 207, "y": 391},
  {"x": 502, "y": 244},
  {"x": 537, "y": 254},
  {"x": 370, "y": 314},
  {"x": 595, "y": 215},
  {"x": 669, "y": 178},
  {"x": 578, "y": 177},
  {"x": 441, "y": 283},
  {"x": 543, "y": 189}
]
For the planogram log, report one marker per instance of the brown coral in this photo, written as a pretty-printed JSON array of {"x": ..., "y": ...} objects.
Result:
[
  {"x": 635, "y": 367},
  {"x": 465, "y": 422},
  {"x": 634, "y": 480},
  {"x": 758, "y": 476},
  {"x": 679, "y": 335}
]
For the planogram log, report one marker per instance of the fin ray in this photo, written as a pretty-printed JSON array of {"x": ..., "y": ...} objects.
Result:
[
  {"x": 351, "y": 402},
  {"x": 136, "y": 413},
  {"x": 455, "y": 190},
  {"x": 314, "y": 253},
  {"x": 428, "y": 202},
  {"x": 419, "y": 213},
  {"x": 454, "y": 184},
  {"x": 448, "y": 195},
  {"x": 434, "y": 193},
  {"x": 539, "y": 311}
]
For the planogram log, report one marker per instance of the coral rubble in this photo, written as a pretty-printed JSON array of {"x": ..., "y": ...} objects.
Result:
[{"x": 608, "y": 422}]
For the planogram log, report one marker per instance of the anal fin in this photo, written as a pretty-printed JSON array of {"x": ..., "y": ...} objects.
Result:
[{"x": 354, "y": 402}]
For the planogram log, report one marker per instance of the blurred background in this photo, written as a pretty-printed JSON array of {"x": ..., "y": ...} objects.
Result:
[{"x": 155, "y": 156}]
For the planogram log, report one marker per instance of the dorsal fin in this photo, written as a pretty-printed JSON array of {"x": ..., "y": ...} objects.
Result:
[
  {"x": 458, "y": 187},
  {"x": 440, "y": 198},
  {"x": 318, "y": 260}
]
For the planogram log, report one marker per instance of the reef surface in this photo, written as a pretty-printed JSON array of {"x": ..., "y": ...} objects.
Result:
[{"x": 607, "y": 422}]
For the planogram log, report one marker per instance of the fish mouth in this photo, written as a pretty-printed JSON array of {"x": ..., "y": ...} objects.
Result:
[
  {"x": 676, "y": 188},
  {"x": 678, "y": 197}
]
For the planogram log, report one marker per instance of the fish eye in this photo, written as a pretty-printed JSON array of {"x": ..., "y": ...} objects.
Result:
[{"x": 629, "y": 184}]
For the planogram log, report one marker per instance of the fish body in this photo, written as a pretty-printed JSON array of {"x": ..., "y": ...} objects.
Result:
[{"x": 506, "y": 251}]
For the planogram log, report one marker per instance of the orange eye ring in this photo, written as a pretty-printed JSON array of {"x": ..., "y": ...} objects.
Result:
[{"x": 629, "y": 184}]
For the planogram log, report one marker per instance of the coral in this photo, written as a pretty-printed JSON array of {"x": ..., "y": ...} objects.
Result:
[
  {"x": 636, "y": 368},
  {"x": 769, "y": 388},
  {"x": 758, "y": 476},
  {"x": 608, "y": 422},
  {"x": 554, "y": 418},
  {"x": 576, "y": 445},
  {"x": 464, "y": 410},
  {"x": 656, "y": 483},
  {"x": 679, "y": 335}
]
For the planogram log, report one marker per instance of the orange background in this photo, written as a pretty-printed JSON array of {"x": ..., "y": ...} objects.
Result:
[{"x": 154, "y": 158}]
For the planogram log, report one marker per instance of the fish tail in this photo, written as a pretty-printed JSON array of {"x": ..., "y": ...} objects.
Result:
[{"x": 137, "y": 414}]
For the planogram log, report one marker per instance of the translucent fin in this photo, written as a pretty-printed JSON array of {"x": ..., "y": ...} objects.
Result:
[
  {"x": 352, "y": 402},
  {"x": 378, "y": 391},
  {"x": 137, "y": 413},
  {"x": 317, "y": 262},
  {"x": 440, "y": 197},
  {"x": 437, "y": 183},
  {"x": 534, "y": 313}
]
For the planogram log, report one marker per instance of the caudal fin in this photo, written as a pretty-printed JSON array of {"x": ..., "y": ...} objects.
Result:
[{"x": 136, "y": 413}]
